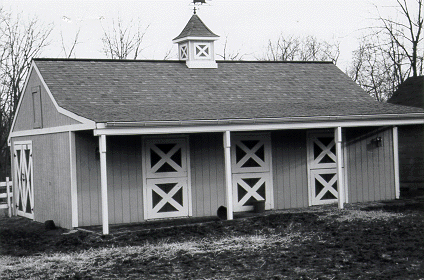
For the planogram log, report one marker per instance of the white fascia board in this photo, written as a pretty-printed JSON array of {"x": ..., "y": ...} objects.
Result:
[
  {"x": 191, "y": 38},
  {"x": 50, "y": 130},
  {"x": 103, "y": 129}
]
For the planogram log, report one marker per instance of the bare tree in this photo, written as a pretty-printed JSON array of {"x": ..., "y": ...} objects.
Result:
[
  {"x": 230, "y": 55},
  {"x": 390, "y": 53},
  {"x": 370, "y": 68},
  {"x": 68, "y": 53},
  {"x": 406, "y": 34},
  {"x": 285, "y": 48},
  {"x": 20, "y": 41},
  {"x": 123, "y": 41},
  {"x": 169, "y": 53},
  {"x": 309, "y": 48}
]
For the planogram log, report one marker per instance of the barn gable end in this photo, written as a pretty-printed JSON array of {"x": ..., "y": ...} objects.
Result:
[{"x": 37, "y": 110}]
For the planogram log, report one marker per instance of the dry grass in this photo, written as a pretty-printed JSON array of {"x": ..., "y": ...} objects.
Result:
[
  {"x": 351, "y": 215},
  {"x": 107, "y": 258},
  {"x": 314, "y": 244}
]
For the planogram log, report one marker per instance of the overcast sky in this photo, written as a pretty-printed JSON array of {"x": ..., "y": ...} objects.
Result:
[{"x": 248, "y": 24}]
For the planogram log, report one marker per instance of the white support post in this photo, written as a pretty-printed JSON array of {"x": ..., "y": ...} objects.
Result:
[
  {"x": 396, "y": 161},
  {"x": 103, "y": 180},
  {"x": 339, "y": 152},
  {"x": 228, "y": 174},
  {"x": 73, "y": 171},
  {"x": 9, "y": 203}
]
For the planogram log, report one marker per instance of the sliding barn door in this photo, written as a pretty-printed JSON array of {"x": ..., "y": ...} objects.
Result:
[
  {"x": 166, "y": 169},
  {"x": 24, "y": 188},
  {"x": 251, "y": 167}
]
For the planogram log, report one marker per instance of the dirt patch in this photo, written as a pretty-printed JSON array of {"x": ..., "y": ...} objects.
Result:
[{"x": 363, "y": 241}]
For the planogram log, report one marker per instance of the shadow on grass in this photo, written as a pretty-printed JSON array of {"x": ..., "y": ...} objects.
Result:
[{"x": 398, "y": 206}]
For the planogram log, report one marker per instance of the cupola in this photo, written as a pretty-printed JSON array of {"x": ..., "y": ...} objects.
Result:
[{"x": 196, "y": 44}]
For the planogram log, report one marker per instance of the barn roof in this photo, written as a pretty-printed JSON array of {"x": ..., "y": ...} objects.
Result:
[
  {"x": 135, "y": 91},
  {"x": 410, "y": 93}
]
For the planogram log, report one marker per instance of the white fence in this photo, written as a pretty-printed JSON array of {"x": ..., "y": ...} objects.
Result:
[{"x": 6, "y": 186}]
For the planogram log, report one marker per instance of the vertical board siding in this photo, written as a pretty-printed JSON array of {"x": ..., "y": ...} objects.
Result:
[
  {"x": 207, "y": 173},
  {"x": 370, "y": 168},
  {"x": 52, "y": 178},
  {"x": 49, "y": 115},
  {"x": 289, "y": 169},
  {"x": 124, "y": 179},
  {"x": 88, "y": 179}
]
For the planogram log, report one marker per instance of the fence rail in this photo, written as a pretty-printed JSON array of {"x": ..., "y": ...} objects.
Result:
[{"x": 6, "y": 191}]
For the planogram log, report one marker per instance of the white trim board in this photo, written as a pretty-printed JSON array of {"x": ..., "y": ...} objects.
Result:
[
  {"x": 396, "y": 160},
  {"x": 50, "y": 130},
  {"x": 103, "y": 130}
]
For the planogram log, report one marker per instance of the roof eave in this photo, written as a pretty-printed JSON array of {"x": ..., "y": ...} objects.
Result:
[
  {"x": 219, "y": 125},
  {"x": 194, "y": 38}
]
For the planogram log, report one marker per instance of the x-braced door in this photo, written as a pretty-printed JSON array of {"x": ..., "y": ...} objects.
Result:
[
  {"x": 22, "y": 157},
  {"x": 322, "y": 165},
  {"x": 251, "y": 167},
  {"x": 166, "y": 190}
]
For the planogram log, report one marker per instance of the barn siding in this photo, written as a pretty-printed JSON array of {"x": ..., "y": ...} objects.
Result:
[
  {"x": 52, "y": 181},
  {"x": 289, "y": 169},
  {"x": 50, "y": 116},
  {"x": 207, "y": 173},
  {"x": 125, "y": 200},
  {"x": 124, "y": 167},
  {"x": 369, "y": 172},
  {"x": 370, "y": 169},
  {"x": 88, "y": 179}
]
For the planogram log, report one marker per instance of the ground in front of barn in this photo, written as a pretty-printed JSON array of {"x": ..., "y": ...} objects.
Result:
[{"x": 379, "y": 240}]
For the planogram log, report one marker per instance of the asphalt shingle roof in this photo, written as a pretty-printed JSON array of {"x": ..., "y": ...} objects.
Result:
[
  {"x": 410, "y": 93},
  {"x": 195, "y": 28},
  {"x": 122, "y": 90}
]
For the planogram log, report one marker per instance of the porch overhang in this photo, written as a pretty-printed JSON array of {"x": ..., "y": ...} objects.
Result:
[{"x": 254, "y": 124}]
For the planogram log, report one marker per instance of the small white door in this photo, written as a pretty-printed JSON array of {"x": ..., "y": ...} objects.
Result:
[
  {"x": 24, "y": 188},
  {"x": 251, "y": 167},
  {"x": 322, "y": 167},
  {"x": 166, "y": 187}
]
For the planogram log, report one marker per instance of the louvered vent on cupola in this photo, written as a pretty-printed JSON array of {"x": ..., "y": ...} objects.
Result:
[{"x": 196, "y": 44}]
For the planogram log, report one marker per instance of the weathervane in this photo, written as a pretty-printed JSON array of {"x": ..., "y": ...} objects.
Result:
[{"x": 197, "y": 3}]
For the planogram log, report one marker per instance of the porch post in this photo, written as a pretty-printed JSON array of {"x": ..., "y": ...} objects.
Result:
[
  {"x": 228, "y": 174},
  {"x": 396, "y": 161},
  {"x": 340, "y": 181},
  {"x": 73, "y": 171},
  {"x": 103, "y": 183}
]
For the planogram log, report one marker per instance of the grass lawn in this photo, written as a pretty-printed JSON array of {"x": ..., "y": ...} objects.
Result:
[{"x": 380, "y": 240}]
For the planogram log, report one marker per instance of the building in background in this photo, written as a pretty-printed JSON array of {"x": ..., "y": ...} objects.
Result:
[{"x": 411, "y": 138}]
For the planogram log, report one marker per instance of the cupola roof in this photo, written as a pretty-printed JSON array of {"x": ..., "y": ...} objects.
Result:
[{"x": 195, "y": 28}]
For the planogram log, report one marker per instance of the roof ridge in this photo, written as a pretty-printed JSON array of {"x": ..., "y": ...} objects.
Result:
[
  {"x": 174, "y": 61},
  {"x": 101, "y": 59}
]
